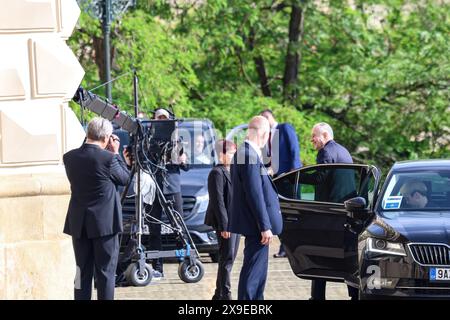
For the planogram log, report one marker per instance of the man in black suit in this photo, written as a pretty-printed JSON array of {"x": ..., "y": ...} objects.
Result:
[
  {"x": 329, "y": 151},
  {"x": 217, "y": 216},
  {"x": 94, "y": 216},
  {"x": 255, "y": 209}
]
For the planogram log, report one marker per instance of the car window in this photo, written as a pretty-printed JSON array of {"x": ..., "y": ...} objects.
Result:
[
  {"x": 426, "y": 190},
  {"x": 198, "y": 143},
  {"x": 327, "y": 184}
]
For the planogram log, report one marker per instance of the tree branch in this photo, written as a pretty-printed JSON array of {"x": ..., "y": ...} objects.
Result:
[
  {"x": 241, "y": 67},
  {"x": 260, "y": 66},
  {"x": 293, "y": 56},
  {"x": 276, "y": 7}
]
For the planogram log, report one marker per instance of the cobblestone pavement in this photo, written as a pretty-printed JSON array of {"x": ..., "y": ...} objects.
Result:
[{"x": 281, "y": 284}]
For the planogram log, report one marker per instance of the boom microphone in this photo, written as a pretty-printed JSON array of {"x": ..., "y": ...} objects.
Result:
[{"x": 106, "y": 110}]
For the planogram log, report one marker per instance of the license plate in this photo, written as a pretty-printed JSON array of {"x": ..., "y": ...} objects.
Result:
[
  {"x": 440, "y": 274},
  {"x": 166, "y": 230}
]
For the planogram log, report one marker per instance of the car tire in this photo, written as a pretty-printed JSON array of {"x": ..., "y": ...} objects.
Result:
[
  {"x": 363, "y": 296},
  {"x": 137, "y": 280},
  {"x": 191, "y": 274}
]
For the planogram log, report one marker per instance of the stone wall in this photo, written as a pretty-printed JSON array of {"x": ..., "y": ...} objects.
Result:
[{"x": 38, "y": 76}]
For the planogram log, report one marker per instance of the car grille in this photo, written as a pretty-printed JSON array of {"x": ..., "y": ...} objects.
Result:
[
  {"x": 188, "y": 205},
  {"x": 431, "y": 254},
  {"x": 128, "y": 207}
]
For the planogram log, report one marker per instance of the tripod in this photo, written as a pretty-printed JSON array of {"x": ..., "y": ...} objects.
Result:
[{"x": 138, "y": 272}]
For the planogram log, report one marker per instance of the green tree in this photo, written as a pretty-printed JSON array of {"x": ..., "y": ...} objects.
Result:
[{"x": 381, "y": 79}]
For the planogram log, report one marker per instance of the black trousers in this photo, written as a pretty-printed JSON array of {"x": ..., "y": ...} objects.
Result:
[
  {"x": 227, "y": 253},
  {"x": 100, "y": 254},
  {"x": 318, "y": 290},
  {"x": 155, "y": 228}
]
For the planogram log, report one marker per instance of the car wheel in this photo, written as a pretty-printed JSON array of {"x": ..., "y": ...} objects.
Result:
[
  {"x": 135, "y": 278},
  {"x": 191, "y": 273}
]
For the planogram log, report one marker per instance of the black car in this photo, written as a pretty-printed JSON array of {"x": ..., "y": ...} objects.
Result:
[
  {"x": 194, "y": 187},
  {"x": 393, "y": 243}
]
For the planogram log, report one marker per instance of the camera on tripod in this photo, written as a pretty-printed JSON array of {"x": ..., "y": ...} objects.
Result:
[
  {"x": 153, "y": 145},
  {"x": 163, "y": 146},
  {"x": 156, "y": 141}
]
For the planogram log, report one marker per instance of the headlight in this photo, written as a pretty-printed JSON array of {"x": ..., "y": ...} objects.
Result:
[
  {"x": 202, "y": 203},
  {"x": 376, "y": 247}
]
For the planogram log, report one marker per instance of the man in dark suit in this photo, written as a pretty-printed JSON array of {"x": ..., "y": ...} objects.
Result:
[
  {"x": 94, "y": 216},
  {"x": 217, "y": 215},
  {"x": 282, "y": 150},
  {"x": 329, "y": 151},
  {"x": 255, "y": 209},
  {"x": 281, "y": 154}
]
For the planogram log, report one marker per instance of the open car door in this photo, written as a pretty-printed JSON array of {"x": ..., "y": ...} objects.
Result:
[{"x": 317, "y": 232}]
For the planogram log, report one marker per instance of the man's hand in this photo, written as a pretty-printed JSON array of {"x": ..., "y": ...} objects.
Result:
[
  {"x": 113, "y": 144},
  {"x": 127, "y": 156},
  {"x": 225, "y": 234},
  {"x": 266, "y": 237},
  {"x": 270, "y": 171}
]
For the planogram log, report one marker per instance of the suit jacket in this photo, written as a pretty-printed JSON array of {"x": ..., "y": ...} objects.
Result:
[
  {"x": 94, "y": 175},
  {"x": 254, "y": 205},
  {"x": 333, "y": 152},
  {"x": 220, "y": 194},
  {"x": 338, "y": 185},
  {"x": 284, "y": 153}
]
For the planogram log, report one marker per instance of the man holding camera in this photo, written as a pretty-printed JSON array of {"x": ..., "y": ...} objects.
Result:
[
  {"x": 94, "y": 216},
  {"x": 169, "y": 182}
]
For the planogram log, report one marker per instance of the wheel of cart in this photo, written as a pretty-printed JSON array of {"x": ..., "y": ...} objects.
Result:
[
  {"x": 136, "y": 278},
  {"x": 191, "y": 272}
]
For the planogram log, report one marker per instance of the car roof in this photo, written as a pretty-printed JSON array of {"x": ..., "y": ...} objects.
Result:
[{"x": 421, "y": 165}]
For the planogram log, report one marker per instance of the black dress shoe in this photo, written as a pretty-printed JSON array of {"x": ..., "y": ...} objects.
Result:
[
  {"x": 280, "y": 255},
  {"x": 227, "y": 297}
]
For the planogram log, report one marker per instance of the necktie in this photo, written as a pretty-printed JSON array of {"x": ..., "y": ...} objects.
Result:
[{"x": 269, "y": 153}]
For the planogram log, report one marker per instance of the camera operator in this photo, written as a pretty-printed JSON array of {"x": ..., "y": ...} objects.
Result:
[
  {"x": 94, "y": 216},
  {"x": 169, "y": 182}
]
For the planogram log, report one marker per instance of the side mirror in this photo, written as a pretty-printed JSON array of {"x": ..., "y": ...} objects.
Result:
[{"x": 355, "y": 204}]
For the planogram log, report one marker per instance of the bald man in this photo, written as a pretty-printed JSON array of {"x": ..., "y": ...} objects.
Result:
[{"x": 255, "y": 210}]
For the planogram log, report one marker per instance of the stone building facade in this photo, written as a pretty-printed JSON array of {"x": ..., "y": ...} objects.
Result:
[{"x": 38, "y": 76}]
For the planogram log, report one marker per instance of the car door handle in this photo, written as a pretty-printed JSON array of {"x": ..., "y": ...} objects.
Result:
[{"x": 292, "y": 219}]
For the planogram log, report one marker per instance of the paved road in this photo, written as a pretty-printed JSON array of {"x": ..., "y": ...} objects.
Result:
[{"x": 282, "y": 284}]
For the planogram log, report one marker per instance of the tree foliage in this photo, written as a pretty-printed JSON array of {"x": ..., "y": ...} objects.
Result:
[{"x": 378, "y": 71}]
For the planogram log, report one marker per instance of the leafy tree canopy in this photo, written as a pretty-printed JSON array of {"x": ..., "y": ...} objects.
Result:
[{"x": 378, "y": 71}]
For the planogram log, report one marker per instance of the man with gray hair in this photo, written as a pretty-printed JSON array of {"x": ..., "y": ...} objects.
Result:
[
  {"x": 329, "y": 151},
  {"x": 255, "y": 209},
  {"x": 94, "y": 216}
]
